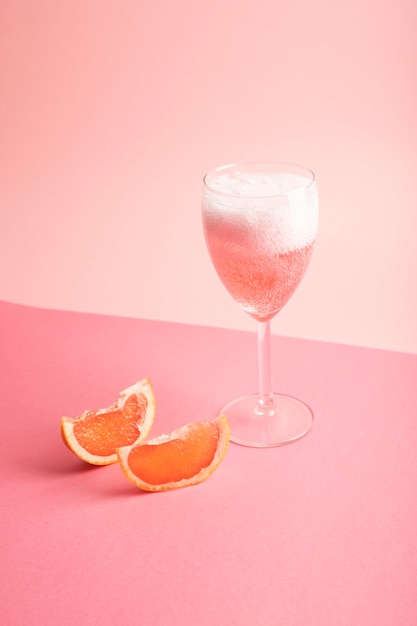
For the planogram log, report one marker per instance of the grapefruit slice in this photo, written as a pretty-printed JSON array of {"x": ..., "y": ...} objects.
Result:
[
  {"x": 185, "y": 457},
  {"x": 94, "y": 435}
]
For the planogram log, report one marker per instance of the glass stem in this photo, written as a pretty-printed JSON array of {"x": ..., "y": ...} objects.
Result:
[{"x": 266, "y": 396}]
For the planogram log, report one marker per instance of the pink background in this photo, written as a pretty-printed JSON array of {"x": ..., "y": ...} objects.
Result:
[{"x": 111, "y": 112}]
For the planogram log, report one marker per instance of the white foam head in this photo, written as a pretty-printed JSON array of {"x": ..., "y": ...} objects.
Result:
[{"x": 280, "y": 207}]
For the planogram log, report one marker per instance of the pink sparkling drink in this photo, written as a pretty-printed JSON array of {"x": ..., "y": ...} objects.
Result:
[{"x": 260, "y": 232}]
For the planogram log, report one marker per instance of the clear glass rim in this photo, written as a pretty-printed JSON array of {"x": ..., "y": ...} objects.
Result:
[{"x": 278, "y": 165}]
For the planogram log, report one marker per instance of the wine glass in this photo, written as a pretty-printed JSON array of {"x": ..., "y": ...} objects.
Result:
[{"x": 260, "y": 222}]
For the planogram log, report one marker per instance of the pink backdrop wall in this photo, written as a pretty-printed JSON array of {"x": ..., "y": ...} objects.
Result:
[{"x": 111, "y": 112}]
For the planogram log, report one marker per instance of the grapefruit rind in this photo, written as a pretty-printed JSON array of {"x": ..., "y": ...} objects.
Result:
[
  {"x": 142, "y": 387},
  {"x": 180, "y": 433}
]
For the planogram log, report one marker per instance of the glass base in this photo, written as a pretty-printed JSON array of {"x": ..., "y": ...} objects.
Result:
[{"x": 288, "y": 420}]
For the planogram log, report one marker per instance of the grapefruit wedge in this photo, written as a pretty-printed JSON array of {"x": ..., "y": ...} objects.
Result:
[
  {"x": 94, "y": 436},
  {"x": 185, "y": 457}
]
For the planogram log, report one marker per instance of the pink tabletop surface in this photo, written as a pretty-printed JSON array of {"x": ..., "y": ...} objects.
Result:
[{"x": 319, "y": 532}]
